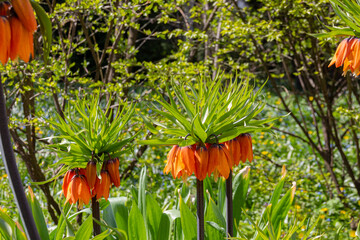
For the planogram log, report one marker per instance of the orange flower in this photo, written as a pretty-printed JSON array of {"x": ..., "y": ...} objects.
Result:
[
  {"x": 25, "y": 13},
  {"x": 21, "y": 41},
  {"x": 171, "y": 159},
  {"x": 246, "y": 147},
  {"x": 201, "y": 162},
  {"x": 112, "y": 166},
  {"x": 78, "y": 190},
  {"x": 17, "y": 28},
  {"x": 348, "y": 54},
  {"x": 211, "y": 158},
  {"x": 187, "y": 156},
  {"x": 235, "y": 151},
  {"x": 102, "y": 186},
  {"x": 5, "y": 38},
  {"x": 67, "y": 179},
  {"x": 91, "y": 173}
]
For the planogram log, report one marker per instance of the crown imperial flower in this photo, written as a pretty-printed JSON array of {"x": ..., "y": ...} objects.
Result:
[{"x": 17, "y": 25}]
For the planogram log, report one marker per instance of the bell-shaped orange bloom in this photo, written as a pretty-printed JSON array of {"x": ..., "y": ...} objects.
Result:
[
  {"x": 223, "y": 159},
  {"x": 201, "y": 162},
  {"x": 25, "y": 12},
  {"x": 235, "y": 151},
  {"x": 67, "y": 179},
  {"x": 5, "y": 38},
  {"x": 172, "y": 154},
  {"x": 348, "y": 55},
  {"x": 102, "y": 186},
  {"x": 246, "y": 147},
  {"x": 78, "y": 190},
  {"x": 187, "y": 156},
  {"x": 214, "y": 158},
  {"x": 175, "y": 163},
  {"x": 91, "y": 174},
  {"x": 21, "y": 41},
  {"x": 112, "y": 166}
]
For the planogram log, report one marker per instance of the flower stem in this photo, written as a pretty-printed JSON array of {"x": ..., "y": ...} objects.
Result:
[
  {"x": 229, "y": 207},
  {"x": 96, "y": 215},
  {"x": 12, "y": 171},
  {"x": 200, "y": 209}
]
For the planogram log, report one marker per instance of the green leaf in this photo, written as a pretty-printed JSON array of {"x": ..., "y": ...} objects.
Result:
[
  {"x": 102, "y": 235},
  {"x": 240, "y": 190},
  {"x": 45, "y": 28},
  {"x": 117, "y": 214},
  {"x": 188, "y": 221},
  {"x": 153, "y": 216},
  {"x": 164, "y": 232},
  {"x": 85, "y": 229},
  {"x": 38, "y": 215},
  {"x": 136, "y": 224},
  {"x": 214, "y": 215}
]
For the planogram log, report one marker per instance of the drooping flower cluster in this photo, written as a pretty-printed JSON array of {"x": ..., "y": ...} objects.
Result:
[
  {"x": 81, "y": 184},
  {"x": 211, "y": 158},
  {"x": 17, "y": 26},
  {"x": 348, "y": 54}
]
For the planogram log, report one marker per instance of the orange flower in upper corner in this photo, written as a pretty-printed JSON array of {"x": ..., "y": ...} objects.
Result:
[
  {"x": 17, "y": 26},
  {"x": 25, "y": 13},
  {"x": 5, "y": 38},
  {"x": 348, "y": 55}
]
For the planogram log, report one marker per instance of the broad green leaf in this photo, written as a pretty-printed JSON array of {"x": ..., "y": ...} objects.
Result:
[
  {"x": 45, "y": 27},
  {"x": 240, "y": 190},
  {"x": 188, "y": 221},
  {"x": 136, "y": 224},
  {"x": 117, "y": 214},
  {"x": 153, "y": 216},
  {"x": 38, "y": 215},
  {"x": 85, "y": 229},
  {"x": 214, "y": 215},
  {"x": 164, "y": 231}
]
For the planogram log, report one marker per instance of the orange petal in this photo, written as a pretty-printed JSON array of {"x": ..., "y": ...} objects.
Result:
[
  {"x": 178, "y": 166},
  {"x": 84, "y": 191},
  {"x": 188, "y": 157},
  {"x": 171, "y": 158},
  {"x": 213, "y": 158},
  {"x": 5, "y": 38},
  {"x": 112, "y": 166},
  {"x": 25, "y": 12},
  {"x": 67, "y": 179},
  {"x": 223, "y": 165},
  {"x": 91, "y": 174},
  {"x": 16, "y": 36},
  {"x": 201, "y": 162}
]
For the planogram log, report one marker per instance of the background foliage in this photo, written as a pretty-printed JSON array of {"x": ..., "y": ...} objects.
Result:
[{"x": 124, "y": 50}]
